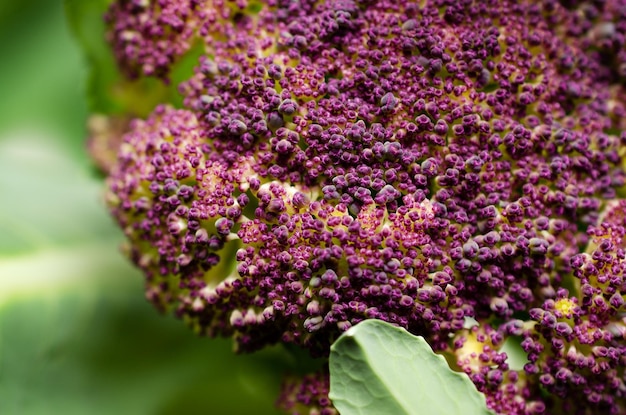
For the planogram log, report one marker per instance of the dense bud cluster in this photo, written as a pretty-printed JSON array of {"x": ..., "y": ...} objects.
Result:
[
  {"x": 150, "y": 35},
  {"x": 417, "y": 162},
  {"x": 307, "y": 395},
  {"x": 597, "y": 28}
]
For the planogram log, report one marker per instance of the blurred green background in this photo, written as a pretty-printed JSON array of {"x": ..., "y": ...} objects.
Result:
[{"x": 76, "y": 335}]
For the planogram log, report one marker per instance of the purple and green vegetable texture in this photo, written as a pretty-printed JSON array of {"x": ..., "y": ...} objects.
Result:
[{"x": 454, "y": 168}]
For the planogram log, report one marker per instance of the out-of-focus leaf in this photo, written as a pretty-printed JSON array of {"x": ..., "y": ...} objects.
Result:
[
  {"x": 85, "y": 19},
  {"x": 98, "y": 348},
  {"x": 48, "y": 201},
  {"x": 41, "y": 76},
  {"x": 376, "y": 368}
]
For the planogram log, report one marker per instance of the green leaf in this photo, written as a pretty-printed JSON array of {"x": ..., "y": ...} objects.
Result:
[
  {"x": 376, "y": 368},
  {"x": 97, "y": 348},
  {"x": 86, "y": 21},
  {"x": 50, "y": 201},
  {"x": 41, "y": 83}
]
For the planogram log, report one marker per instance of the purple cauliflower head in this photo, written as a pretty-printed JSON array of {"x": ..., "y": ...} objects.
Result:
[{"x": 422, "y": 163}]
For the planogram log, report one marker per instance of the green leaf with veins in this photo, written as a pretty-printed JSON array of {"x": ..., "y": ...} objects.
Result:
[{"x": 376, "y": 368}]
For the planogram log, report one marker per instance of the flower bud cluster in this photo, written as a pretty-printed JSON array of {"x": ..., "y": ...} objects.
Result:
[
  {"x": 307, "y": 395},
  {"x": 149, "y": 35},
  {"x": 420, "y": 163}
]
